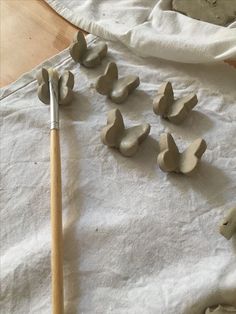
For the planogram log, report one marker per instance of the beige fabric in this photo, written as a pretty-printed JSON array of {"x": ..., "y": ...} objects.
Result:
[
  {"x": 137, "y": 240},
  {"x": 151, "y": 29}
]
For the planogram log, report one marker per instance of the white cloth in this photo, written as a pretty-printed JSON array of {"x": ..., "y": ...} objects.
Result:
[
  {"x": 151, "y": 29},
  {"x": 137, "y": 240}
]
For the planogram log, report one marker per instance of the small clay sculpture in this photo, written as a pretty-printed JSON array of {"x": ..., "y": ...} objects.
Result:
[
  {"x": 173, "y": 110},
  {"x": 221, "y": 309},
  {"x": 65, "y": 86},
  {"x": 228, "y": 225},
  {"x": 127, "y": 140},
  {"x": 171, "y": 160},
  {"x": 43, "y": 85},
  {"x": 90, "y": 57},
  {"x": 220, "y": 12},
  {"x": 117, "y": 89}
]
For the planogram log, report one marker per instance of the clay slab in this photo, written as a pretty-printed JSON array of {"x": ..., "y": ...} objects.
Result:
[{"x": 220, "y": 12}]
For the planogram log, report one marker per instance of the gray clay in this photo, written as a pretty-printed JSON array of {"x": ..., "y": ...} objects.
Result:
[
  {"x": 115, "y": 135},
  {"x": 221, "y": 309},
  {"x": 65, "y": 86},
  {"x": 90, "y": 57},
  {"x": 43, "y": 86},
  {"x": 173, "y": 110},
  {"x": 171, "y": 160},
  {"x": 220, "y": 12},
  {"x": 117, "y": 89},
  {"x": 228, "y": 225}
]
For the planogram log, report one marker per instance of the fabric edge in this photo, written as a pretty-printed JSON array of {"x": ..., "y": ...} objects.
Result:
[{"x": 29, "y": 76}]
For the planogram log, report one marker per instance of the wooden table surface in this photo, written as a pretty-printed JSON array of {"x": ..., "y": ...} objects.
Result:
[{"x": 30, "y": 33}]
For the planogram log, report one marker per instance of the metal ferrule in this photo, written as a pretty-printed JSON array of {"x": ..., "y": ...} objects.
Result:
[{"x": 54, "y": 108}]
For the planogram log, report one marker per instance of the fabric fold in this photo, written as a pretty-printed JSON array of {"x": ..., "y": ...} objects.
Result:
[{"x": 151, "y": 29}]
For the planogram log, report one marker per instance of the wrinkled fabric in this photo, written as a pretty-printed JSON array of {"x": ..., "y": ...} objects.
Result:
[
  {"x": 136, "y": 240},
  {"x": 151, "y": 29}
]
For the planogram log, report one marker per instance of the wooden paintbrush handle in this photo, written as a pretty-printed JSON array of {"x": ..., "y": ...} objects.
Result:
[{"x": 56, "y": 225}]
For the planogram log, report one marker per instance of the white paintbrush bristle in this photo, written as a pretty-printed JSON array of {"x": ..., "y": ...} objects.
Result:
[{"x": 53, "y": 75}]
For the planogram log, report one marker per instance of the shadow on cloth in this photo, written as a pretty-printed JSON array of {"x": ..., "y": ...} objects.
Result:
[
  {"x": 73, "y": 200},
  {"x": 209, "y": 181},
  {"x": 144, "y": 161},
  {"x": 196, "y": 125},
  {"x": 138, "y": 103},
  {"x": 79, "y": 110},
  {"x": 234, "y": 243}
]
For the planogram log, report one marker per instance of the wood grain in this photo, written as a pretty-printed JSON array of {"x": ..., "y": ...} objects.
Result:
[
  {"x": 56, "y": 225},
  {"x": 31, "y": 32}
]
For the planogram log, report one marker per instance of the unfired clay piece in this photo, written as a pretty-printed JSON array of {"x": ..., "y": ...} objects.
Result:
[
  {"x": 174, "y": 110},
  {"x": 65, "y": 85},
  {"x": 117, "y": 89},
  {"x": 220, "y": 309},
  {"x": 228, "y": 225},
  {"x": 220, "y": 12},
  {"x": 87, "y": 56},
  {"x": 127, "y": 140},
  {"x": 171, "y": 160}
]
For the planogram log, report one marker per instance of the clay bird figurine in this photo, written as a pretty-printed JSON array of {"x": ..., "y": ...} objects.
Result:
[
  {"x": 115, "y": 134},
  {"x": 90, "y": 57},
  {"x": 171, "y": 160},
  {"x": 228, "y": 225},
  {"x": 167, "y": 107},
  {"x": 65, "y": 87},
  {"x": 117, "y": 89}
]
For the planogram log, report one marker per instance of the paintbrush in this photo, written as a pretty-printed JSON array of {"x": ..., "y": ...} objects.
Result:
[
  {"x": 56, "y": 198},
  {"x": 56, "y": 91}
]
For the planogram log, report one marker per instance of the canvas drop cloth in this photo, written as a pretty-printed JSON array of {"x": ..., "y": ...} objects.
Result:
[
  {"x": 137, "y": 240},
  {"x": 150, "y": 28}
]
